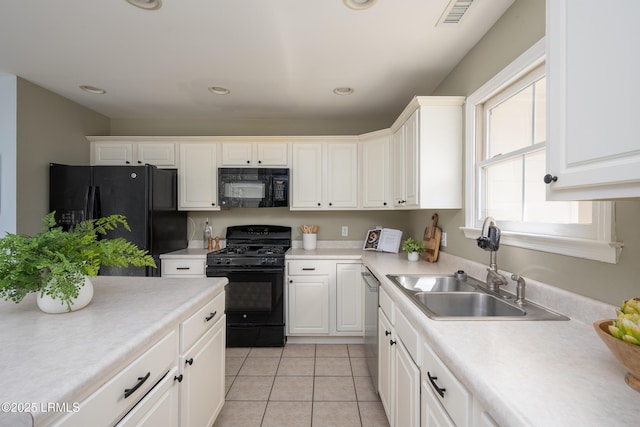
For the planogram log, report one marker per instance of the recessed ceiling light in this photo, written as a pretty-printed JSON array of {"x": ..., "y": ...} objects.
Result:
[
  {"x": 93, "y": 89},
  {"x": 219, "y": 90},
  {"x": 343, "y": 90},
  {"x": 146, "y": 4},
  {"x": 359, "y": 4}
]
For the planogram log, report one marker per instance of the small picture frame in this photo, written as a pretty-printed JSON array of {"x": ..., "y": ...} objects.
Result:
[{"x": 372, "y": 239}]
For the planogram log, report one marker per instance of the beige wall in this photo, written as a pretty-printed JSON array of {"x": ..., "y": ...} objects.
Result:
[
  {"x": 519, "y": 28},
  {"x": 50, "y": 128},
  {"x": 329, "y": 223},
  {"x": 248, "y": 127}
]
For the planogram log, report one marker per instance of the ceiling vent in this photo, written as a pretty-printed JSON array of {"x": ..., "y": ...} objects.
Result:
[{"x": 455, "y": 11}]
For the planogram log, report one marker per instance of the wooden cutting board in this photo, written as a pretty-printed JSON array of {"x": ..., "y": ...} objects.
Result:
[{"x": 431, "y": 240}]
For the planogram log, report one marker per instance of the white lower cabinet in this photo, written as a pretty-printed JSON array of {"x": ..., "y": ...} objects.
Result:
[
  {"x": 308, "y": 304},
  {"x": 324, "y": 298},
  {"x": 432, "y": 414},
  {"x": 159, "y": 407},
  {"x": 407, "y": 396},
  {"x": 386, "y": 360},
  {"x": 184, "y": 267},
  {"x": 398, "y": 373},
  {"x": 129, "y": 388},
  {"x": 446, "y": 389},
  {"x": 416, "y": 388},
  {"x": 178, "y": 381},
  {"x": 349, "y": 298},
  {"x": 202, "y": 386}
]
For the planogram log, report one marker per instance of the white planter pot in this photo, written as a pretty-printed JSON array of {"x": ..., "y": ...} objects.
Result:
[
  {"x": 413, "y": 256},
  {"x": 56, "y": 306}
]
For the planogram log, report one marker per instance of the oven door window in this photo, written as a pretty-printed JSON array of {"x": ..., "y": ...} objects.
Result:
[
  {"x": 253, "y": 292},
  {"x": 249, "y": 296}
]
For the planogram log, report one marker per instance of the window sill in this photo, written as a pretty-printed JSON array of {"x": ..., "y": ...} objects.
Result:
[{"x": 580, "y": 248}]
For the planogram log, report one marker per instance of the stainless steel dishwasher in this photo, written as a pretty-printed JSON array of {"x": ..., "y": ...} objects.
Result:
[{"x": 371, "y": 284}]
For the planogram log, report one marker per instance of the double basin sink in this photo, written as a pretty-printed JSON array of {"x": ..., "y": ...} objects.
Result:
[{"x": 459, "y": 297}]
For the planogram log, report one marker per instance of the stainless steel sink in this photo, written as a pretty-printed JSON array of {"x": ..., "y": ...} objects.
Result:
[
  {"x": 454, "y": 297},
  {"x": 434, "y": 283},
  {"x": 467, "y": 304}
]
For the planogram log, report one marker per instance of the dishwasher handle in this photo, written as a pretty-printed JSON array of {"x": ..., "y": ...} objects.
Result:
[{"x": 370, "y": 279}]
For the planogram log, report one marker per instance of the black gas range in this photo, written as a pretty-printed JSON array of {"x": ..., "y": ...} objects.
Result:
[{"x": 253, "y": 262}]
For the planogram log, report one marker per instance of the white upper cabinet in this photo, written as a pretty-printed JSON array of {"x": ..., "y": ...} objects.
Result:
[
  {"x": 427, "y": 154},
  {"x": 593, "y": 150},
  {"x": 267, "y": 154},
  {"x": 198, "y": 177},
  {"x": 324, "y": 175},
  {"x": 306, "y": 176},
  {"x": 156, "y": 153},
  {"x": 342, "y": 175},
  {"x": 161, "y": 154},
  {"x": 106, "y": 153},
  {"x": 375, "y": 166}
]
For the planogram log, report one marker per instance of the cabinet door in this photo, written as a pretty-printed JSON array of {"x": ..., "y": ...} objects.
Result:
[
  {"x": 237, "y": 154},
  {"x": 306, "y": 180},
  {"x": 112, "y": 154},
  {"x": 156, "y": 153},
  {"x": 593, "y": 88},
  {"x": 202, "y": 388},
  {"x": 398, "y": 146},
  {"x": 411, "y": 159},
  {"x": 197, "y": 177},
  {"x": 433, "y": 414},
  {"x": 159, "y": 407},
  {"x": 376, "y": 172},
  {"x": 349, "y": 298},
  {"x": 272, "y": 154},
  {"x": 342, "y": 175},
  {"x": 407, "y": 393},
  {"x": 308, "y": 305},
  {"x": 386, "y": 360}
]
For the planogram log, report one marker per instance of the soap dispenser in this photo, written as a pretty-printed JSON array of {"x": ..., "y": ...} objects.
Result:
[{"x": 207, "y": 234}]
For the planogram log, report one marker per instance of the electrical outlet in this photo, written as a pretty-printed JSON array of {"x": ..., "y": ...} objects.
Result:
[
  {"x": 443, "y": 240},
  {"x": 345, "y": 231}
]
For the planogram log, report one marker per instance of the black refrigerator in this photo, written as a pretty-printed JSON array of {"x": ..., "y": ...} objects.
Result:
[{"x": 145, "y": 195}]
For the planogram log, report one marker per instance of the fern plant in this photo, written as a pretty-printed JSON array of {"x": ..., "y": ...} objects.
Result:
[{"x": 62, "y": 258}]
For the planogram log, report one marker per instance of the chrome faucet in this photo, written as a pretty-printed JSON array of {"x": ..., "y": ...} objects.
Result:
[
  {"x": 489, "y": 240},
  {"x": 520, "y": 285}
]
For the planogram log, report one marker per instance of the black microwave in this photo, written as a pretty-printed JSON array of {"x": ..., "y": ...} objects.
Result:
[{"x": 253, "y": 187}]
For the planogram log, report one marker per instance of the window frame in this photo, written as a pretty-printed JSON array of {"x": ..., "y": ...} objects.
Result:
[{"x": 601, "y": 248}]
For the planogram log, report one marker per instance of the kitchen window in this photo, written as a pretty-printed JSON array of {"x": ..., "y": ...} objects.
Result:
[{"x": 505, "y": 163}]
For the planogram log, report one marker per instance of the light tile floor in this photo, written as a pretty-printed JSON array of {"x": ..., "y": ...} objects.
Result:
[{"x": 300, "y": 385}]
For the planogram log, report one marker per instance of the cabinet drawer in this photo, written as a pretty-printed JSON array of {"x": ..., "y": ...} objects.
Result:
[
  {"x": 195, "y": 326},
  {"x": 183, "y": 267},
  {"x": 310, "y": 267},
  {"x": 456, "y": 399},
  {"x": 386, "y": 304},
  {"x": 109, "y": 403},
  {"x": 409, "y": 336}
]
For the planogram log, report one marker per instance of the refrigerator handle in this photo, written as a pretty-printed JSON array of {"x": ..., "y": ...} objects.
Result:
[{"x": 91, "y": 202}]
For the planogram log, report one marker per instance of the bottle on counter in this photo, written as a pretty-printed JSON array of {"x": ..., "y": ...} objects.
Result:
[{"x": 207, "y": 233}]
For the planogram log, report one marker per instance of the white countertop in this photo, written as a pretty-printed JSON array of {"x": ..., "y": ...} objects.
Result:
[
  {"x": 65, "y": 357},
  {"x": 524, "y": 373},
  {"x": 324, "y": 253},
  {"x": 188, "y": 252}
]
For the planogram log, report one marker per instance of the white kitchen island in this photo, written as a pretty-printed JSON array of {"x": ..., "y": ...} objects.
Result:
[{"x": 52, "y": 364}]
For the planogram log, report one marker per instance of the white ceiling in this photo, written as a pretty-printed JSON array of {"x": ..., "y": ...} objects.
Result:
[{"x": 281, "y": 59}]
